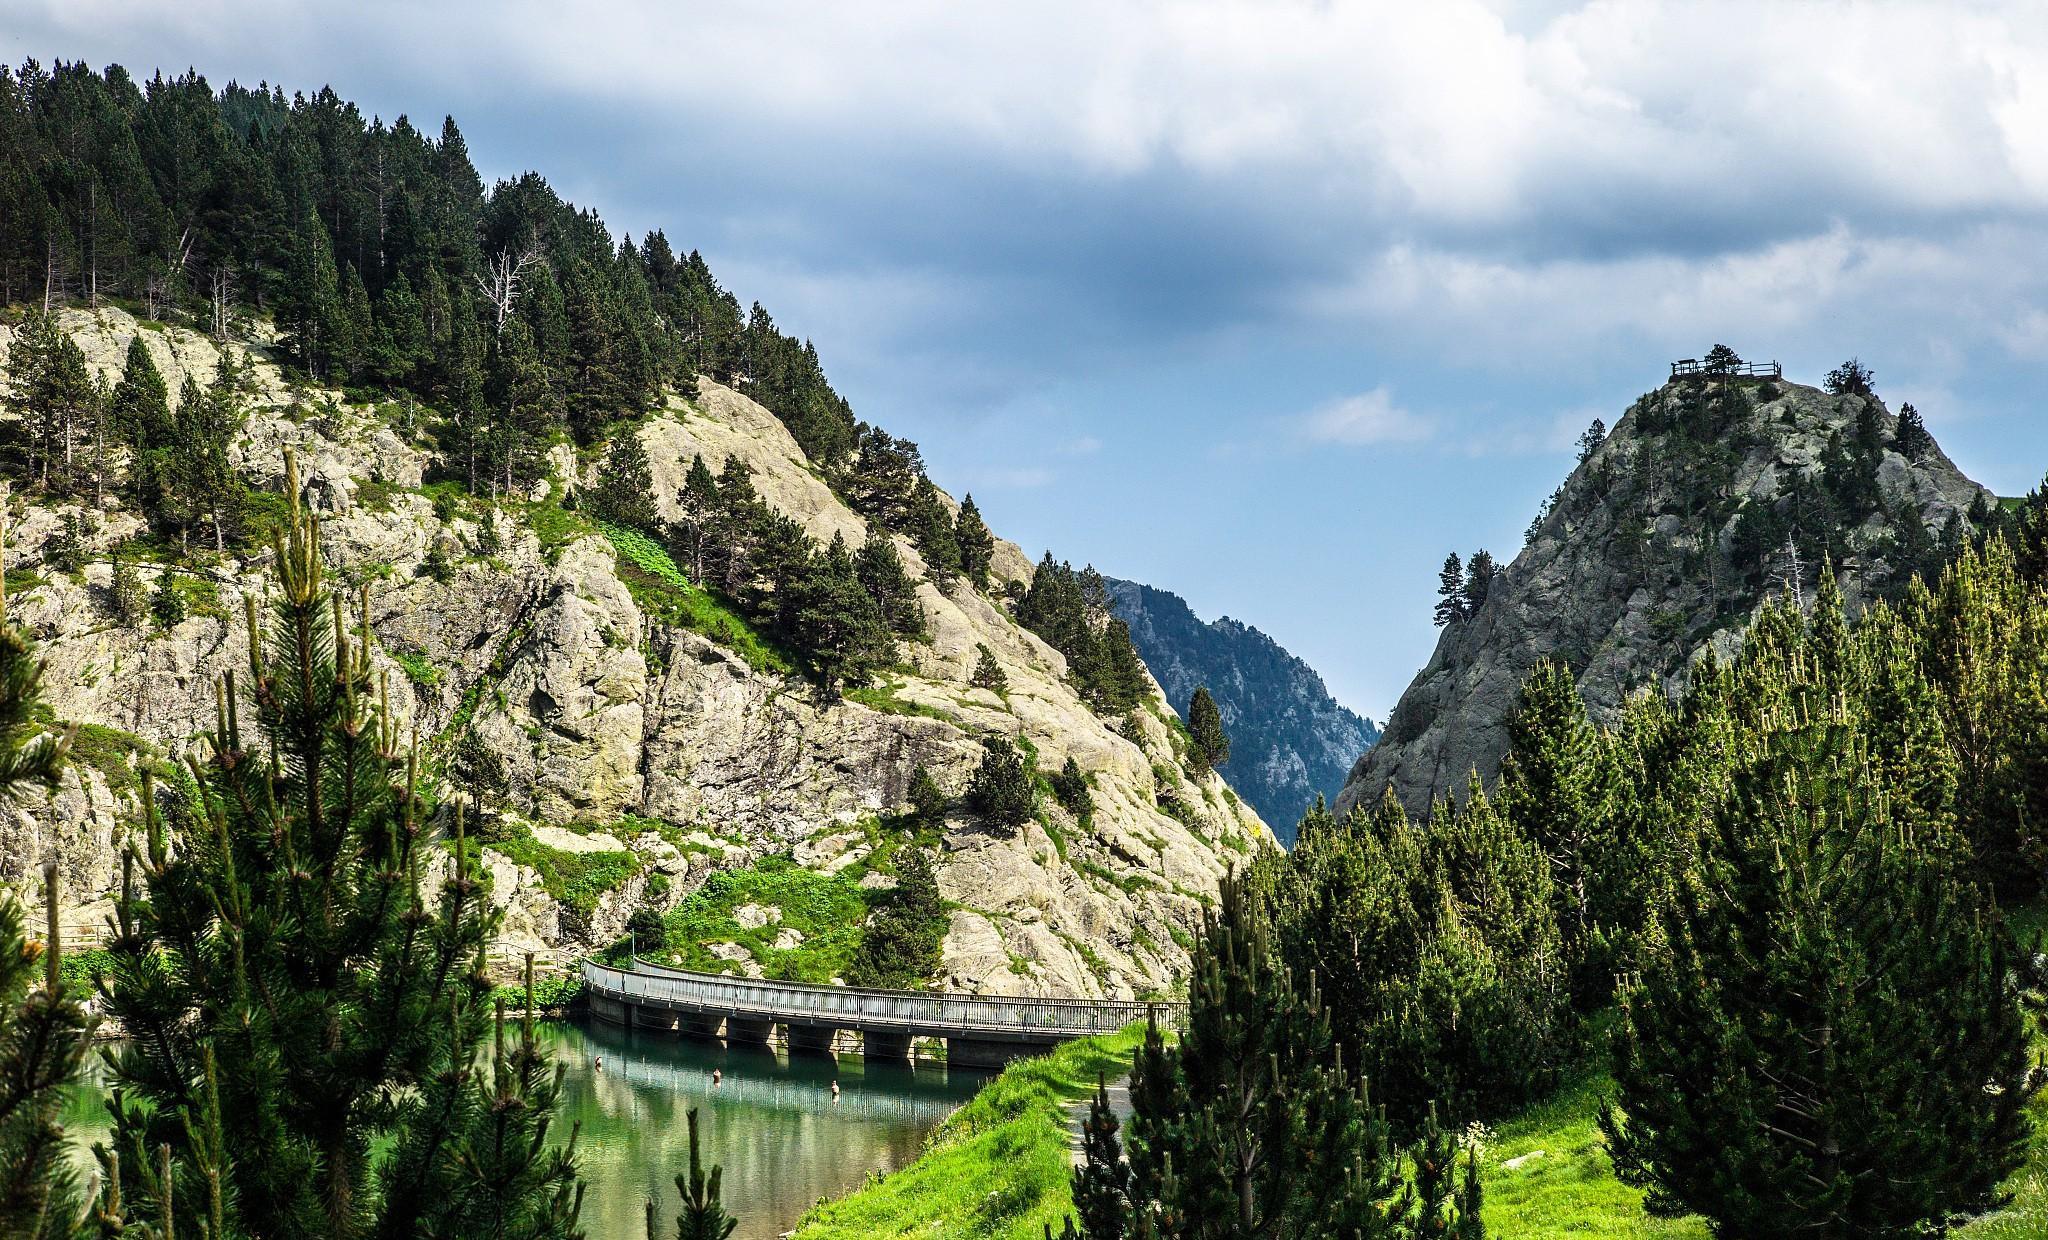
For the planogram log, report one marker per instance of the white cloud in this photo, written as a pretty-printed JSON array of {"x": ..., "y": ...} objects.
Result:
[
  {"x": 1086, "y": 445},
  {"x": 1367, "y": 418}
]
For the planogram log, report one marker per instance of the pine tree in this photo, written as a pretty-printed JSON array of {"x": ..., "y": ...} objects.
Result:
[
  {"x": 927, "y": 800},
  {"x": 1450, "y": 591},
  {"x": 988, "y": 674},
  {"x": 902, "y": 943},
  {"x": 1825, "y": 1035},
  {"x": 1251, "y": 1126},
  {"x": 140, "y": 413},
  {"x": 623, "y": 492},
  {"x": 1070, "y": 789},
  {"x": 166, "y": 604},
  {"x": 1208, "y": 743},
  {"x": 1101, "y": 1179},
  {"x": 836, "y": 621},
  {"x": 1590, "y": 440},
  {"x": 881, "y": 572},
  {"x": 1547, "y": 785},
  {"x": 45, "y": 1033},
  {"x": 697, "y": 530},
  {"x": 1912, "y": 439},
  {"x": 1001, "y": 789},
  {"x": 932, "y": 528},
  {"x": 129, "y": 601},
  {"x": 703, "y": 1216},
  {"x": 977, "y": 545},
  {"x": 278, "y": 918},
  {"x": 1480, "y": 572}
]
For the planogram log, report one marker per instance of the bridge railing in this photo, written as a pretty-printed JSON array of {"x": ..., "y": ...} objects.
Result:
[{"x": 857, "y": 1008}]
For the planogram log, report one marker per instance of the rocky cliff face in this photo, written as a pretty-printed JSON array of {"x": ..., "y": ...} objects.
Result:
[
  {"x": 1703, "y": 502},
  {"x": 1290, "y": 741},
  {"x": 608, "y": 731}
]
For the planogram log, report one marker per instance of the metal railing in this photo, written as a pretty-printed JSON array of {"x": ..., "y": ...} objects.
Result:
[
  {"x": 848, "y": 1007},
  {"x": 1692, "y": 367}
]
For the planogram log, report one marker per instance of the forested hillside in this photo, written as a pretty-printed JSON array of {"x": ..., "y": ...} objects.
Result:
[
  {"x": 1290, "y": 741},
  {"x": 660, "y": 606}
]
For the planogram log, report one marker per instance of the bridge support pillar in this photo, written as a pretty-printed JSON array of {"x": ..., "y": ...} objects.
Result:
[
  {"x": 651, "y": 1018},
  {"x": 811, "y": 1039},
  {"x": 702, "y": 1028},
  {"x": 611, "y": 1011},
  {"x": 740, "y": 1032},
  {"x": 876, "y": 1044},
  {"x": 988, "y": 1052}
]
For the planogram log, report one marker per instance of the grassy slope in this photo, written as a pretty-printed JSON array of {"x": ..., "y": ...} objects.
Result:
[{"x": 998, "y": 1169}]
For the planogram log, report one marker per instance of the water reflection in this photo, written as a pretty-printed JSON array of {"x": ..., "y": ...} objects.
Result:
[{"x": 772, "y": 1123}]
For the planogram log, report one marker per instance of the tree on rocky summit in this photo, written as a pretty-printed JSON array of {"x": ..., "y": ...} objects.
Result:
[
  {"x": 1480, "y": 572},
  {"x": 1450, "y": 591},
  {"x": 1002, "y": 790},
  {"x": 314, "y": 1047},
  {"x": 1720, "y": 360},
  {"x": 1205, "y": 729},
  {"x": 1912, "y": 439},
  {"x": 1590, "y": 440},
  {"x": 1851, "y": 378}
]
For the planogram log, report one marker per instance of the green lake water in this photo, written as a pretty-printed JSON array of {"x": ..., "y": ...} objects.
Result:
[{"x": 772, "y": 1123}]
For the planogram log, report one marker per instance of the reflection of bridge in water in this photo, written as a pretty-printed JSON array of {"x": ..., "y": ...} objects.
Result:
[
  {"x": 978, "y": 1030},
  {"x": 756, "y": 1078}
]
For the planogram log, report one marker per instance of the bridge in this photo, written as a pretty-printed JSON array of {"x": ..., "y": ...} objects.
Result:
[{"x": 979, "y": 1031}]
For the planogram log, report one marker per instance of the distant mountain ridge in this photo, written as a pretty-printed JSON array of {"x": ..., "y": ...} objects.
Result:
[{"x": 1289, "y": 739}]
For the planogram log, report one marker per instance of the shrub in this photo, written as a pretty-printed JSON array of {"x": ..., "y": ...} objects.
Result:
[{"x": 1002, "y": 790}]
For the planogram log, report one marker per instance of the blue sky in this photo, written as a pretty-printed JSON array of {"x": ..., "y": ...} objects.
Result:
[{"x": 1269, "y": 304}]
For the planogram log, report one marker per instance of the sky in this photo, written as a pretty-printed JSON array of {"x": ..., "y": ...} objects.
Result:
[{"x": 1269, "y": 304}]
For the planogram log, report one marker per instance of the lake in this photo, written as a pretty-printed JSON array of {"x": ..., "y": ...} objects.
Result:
[{"x": 772, "y": 1123}]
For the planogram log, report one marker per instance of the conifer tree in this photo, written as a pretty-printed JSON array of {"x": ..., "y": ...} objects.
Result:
[
  {"x": 1824, "y": 1035},
  {"x": 1070, "y": 789},
  {"x": 166, "y": 604},
  {"x": 141, "y": 417},
  {"x": 1450, "y": 591},
  {"x": 1101, "y": 1179},
  {"x": 837, "y": 621},
  {"x": 1251, "y": 1126},
  {"x": 977, "y": 545},
  {"x": 927, "y": 800},
  {"x": 1210, "y": 745},
  {"x": 931, "y": 527},
  {"x": 278, "y": 917},
  {"x": 1001, "y": 789},
  {"x": 901, "y": 944},
  {"x": 1912, "y": 439},
  {"x": 1480, "y": 572},
  {"x": 881, "y": 572},
  {"x": 45, "y": 1033},
  {"x": 988, "y": 674},
  {"x": 703, "y": 1216},
  {"x": 623, "y": 492},
  {"x": 1547, "y": 790}
]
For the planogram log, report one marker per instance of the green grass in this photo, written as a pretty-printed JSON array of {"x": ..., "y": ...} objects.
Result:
[
  {"x": 827, "y": 911},
  {"x": 417, "y": 667},
  {"x": 662, "y": 590},
  {"x": 882, "y": 697},
  {"x": 999, "y": 1168},
  {"x": 575, "y": 879}
]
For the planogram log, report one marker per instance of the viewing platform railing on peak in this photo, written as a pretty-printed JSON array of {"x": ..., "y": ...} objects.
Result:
[{"x": 1693, "y": 368}]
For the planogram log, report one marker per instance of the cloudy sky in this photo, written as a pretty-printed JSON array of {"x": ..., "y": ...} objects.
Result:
[{"x": 1270, "y": 304}]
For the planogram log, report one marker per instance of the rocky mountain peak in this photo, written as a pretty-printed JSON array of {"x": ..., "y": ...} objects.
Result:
[{"x": 1708, "y": 497}]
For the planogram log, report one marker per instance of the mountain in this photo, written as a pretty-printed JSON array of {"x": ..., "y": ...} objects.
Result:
[
  {"x": 633, "y": 736},
  {"x": 1290, "y": 741},
  {"x": 1710, "y": 496}
]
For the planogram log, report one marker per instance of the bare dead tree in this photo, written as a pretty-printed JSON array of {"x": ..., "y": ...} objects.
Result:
[
  {"x": 223, "y": 296},
  {"x": 501, "y": 279}
]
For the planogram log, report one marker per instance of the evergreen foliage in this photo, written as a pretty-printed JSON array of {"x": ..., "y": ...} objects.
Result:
[
  {"x": 1480, "y": 571},
  {"x": 901, "y": 943},
  {"x": 1851, "y": 378},
  {"x": 277, "y": 918},
  {"x": 1590, "y": 439},
  {"x": 1002, "y": 789},
  {"x": 1070, "y": 789},
  {"x": 703, "y": 1216},
  {"x": 1251, "y": 1126},
  {"x": 1912, "y": 439},
  {"x": 977, "y": 545},
  {"x": 45, "y": 1032},
  {"x": 927, "y": 800},
  {"x": 1071, "y": 612},
  {"x": 1824, "y": 1033},
  {"x": 988, "y": 674},
  {"x": 624, "y": 490},
  {"x": 1450, "y": 591},
  {"x": 1211, "y": 747}
]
